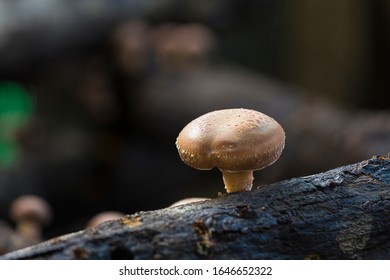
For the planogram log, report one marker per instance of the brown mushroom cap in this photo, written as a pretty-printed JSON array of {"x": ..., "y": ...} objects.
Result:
[
  {"x": 231, "y": 140},
  {"x": 103, "y": 217},
  {"x": 188, "y": 200},
  {"x": 30, "y": 207}
]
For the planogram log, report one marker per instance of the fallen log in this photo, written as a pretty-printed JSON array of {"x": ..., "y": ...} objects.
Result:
[{"x": 339, "y": 214}]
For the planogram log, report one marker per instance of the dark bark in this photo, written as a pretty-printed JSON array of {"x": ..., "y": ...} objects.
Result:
[{"x": 339, "y": 214}]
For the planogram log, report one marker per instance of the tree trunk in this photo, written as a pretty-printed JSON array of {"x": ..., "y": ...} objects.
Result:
[{"x": 339, "y": 214}]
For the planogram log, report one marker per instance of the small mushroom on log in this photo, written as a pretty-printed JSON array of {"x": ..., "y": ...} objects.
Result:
[{"x": 236, "y": 141}]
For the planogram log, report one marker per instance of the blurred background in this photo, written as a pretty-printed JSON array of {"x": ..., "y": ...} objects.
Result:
[{"x": 94, "y": 93}]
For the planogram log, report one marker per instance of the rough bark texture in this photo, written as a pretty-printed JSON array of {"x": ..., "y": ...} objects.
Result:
[{"x": 339, "y": 214}]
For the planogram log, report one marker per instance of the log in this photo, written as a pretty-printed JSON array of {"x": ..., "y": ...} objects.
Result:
[{"x": 339, "y": 214}]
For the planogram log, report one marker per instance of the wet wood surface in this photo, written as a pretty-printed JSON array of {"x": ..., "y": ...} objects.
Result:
[{"x": 339, "y": 214}]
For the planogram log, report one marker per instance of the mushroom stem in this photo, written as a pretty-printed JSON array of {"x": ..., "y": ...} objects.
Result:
[
  {"x": 237, "y": 181},
  {"x": 29, "y": 229}
]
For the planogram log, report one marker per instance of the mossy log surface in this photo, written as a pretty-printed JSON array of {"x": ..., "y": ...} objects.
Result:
[{"x": 343, "y": 213}]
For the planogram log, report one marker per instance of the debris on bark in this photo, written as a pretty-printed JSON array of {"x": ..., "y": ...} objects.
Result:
[{"x": 339, "y": 214}]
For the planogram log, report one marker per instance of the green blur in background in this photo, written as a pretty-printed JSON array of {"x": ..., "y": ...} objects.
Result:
[{"x": 16, "y": 110}]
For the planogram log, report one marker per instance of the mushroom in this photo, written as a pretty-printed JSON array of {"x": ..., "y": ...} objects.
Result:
[
  {"x": 30, "y": 213},
  {"x": 11, "y": 240},
  {"x": 182, "y": 47},
  {"x": 236, "y": 141},
  {"x": 188, "y": 200},
  {"x": 103, "y": 217},
  {"x": 130, "y": 42}
]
